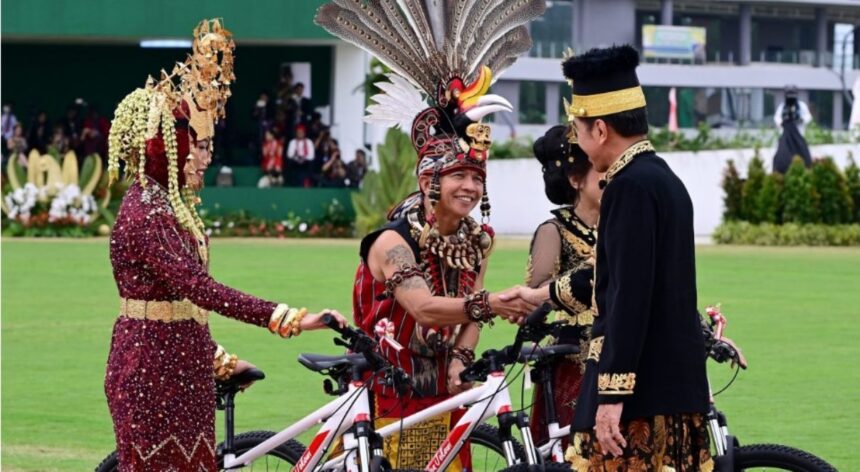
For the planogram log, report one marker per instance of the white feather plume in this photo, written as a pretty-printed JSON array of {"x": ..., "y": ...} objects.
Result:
[{"x": 397, "y": 105}]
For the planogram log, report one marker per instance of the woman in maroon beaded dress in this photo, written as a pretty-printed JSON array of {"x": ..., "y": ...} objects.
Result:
[{"x": 163, "y": 362}]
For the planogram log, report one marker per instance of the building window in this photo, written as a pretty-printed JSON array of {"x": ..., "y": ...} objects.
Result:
[
  {"x": 552, "y": 33},
  {"x": 532, "y": 106}
]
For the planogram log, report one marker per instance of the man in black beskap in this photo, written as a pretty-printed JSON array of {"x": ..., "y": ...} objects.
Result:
[{"x": 645, "y": 390}]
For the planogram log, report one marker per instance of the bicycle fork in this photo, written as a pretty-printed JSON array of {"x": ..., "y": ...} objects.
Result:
[
  {"x": 724, "y": 443},
  {"x": 509, "y": 420}
]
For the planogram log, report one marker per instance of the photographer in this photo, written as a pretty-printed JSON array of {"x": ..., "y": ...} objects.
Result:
[
  {"x": 333, "y": 169},
  {"x": 793, "y": 115}
]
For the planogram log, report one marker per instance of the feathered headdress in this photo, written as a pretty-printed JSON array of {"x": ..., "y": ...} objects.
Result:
[{"x": 443, "y": 54}]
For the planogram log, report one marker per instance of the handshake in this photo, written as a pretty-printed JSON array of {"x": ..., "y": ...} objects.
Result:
[{"x": 515, "y": 303}]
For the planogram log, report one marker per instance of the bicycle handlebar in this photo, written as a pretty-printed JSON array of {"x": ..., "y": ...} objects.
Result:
[
  {"x": 359, "y": 342},
  {"x": 493, "y": 360},
  {"x": 539, "y": 315},
  {"x": 715, "y": 348}
]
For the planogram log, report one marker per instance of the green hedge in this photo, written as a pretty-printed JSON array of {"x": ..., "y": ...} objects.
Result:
[
  {"x": 788, "y": 234},
  {"x": 804, "y": 207},
  {"x": 821, "y": 194}
]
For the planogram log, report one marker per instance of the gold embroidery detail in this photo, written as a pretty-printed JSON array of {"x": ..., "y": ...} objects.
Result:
[
  {"x": 573, "y": 455},
  {"x": 201, "y": 438},
  {"x": 616, "y": 384},
  {"x": 627, "y": 157},
  {"x": 564, "y": 295},
  {"x": 165, "y": 311},
  {"x": 595, "y": 347},
  {"x": 607, "y": 103},
  {"x": 581, "y": 247},
  {"x": 530, "y": 271}
]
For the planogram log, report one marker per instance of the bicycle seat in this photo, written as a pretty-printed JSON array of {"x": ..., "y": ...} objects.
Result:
[
  {"x": 235, "y": 382},
  {"x": 321, "y": 362},
  {"x": 530, "y": 354}
]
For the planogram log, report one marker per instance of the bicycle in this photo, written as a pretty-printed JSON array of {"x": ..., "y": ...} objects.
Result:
[
  {"x": 492, "y": 398},
  {"x": 347, "y": 416},
  {"x": 728, "y": 454}
]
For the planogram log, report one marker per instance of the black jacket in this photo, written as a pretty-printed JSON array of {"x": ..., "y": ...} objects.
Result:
[{"x": 647, "y": 348}]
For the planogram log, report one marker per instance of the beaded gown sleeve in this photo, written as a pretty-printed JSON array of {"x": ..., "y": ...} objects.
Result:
[{"x": 170, "y": 255}]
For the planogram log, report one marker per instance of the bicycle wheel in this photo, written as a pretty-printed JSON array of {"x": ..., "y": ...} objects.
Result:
[
  {"x": 281, "y": 458},
  {"x": 763, "y": 457},
  {"x": 109, "y": 463},
  {"x": 488, "y": 454}
]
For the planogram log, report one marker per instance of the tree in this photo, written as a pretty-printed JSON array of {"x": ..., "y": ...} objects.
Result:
[
  {"x": 732, "y": 193},
  {"x": 852, "y": 182},
  {"x": 801, "y": 199},
  {"x": 769, "y": 202},
  {"x": 835, "y": 205},
  {"x": 751, "y": 189},
  {"x": 394, "y": 181}
]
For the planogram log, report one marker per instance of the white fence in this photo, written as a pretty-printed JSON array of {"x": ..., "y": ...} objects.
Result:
[{"x": 519, "y": 204}]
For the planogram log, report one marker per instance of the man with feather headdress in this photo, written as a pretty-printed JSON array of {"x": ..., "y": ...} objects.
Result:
[{"x": 420, "y": 278}]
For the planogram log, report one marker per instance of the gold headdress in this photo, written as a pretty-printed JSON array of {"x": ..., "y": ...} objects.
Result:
[{"x": 196, "y": 90}]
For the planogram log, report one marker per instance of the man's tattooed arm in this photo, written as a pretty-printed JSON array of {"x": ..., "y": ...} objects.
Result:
[{"x": 401, "y": 259}]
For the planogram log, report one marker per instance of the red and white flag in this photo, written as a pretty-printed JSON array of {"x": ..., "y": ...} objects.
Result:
[{"x": 673, "y": 111}]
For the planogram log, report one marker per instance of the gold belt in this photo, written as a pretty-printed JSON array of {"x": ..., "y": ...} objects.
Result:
[{"x": 165, "y": 311}]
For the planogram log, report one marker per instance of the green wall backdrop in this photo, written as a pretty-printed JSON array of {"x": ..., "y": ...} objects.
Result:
[
  {"x": 52, "y": 76},
  {"x": 272, "y": 20}
]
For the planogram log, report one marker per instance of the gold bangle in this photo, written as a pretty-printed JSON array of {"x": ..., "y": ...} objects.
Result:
[
  {"x": 227, "y": 368},
  {"x": 224, "y": 364},
  {"x": 285, "y": 330},
  {"x": 278, "y": 317},
  {"x": 297, "y": 321}
]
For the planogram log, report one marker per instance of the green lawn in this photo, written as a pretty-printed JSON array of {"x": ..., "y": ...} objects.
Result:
[{"x": 794, "y": 311}]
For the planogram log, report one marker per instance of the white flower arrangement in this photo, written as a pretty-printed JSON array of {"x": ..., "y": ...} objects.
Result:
[
  {"x": 21, "y": 201},
  {"x": 70, "y": 203}
]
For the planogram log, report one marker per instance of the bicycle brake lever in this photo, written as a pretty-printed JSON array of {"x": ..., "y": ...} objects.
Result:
[{"x": 341, "y": 342}]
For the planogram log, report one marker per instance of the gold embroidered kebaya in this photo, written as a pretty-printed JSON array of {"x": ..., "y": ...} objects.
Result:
[
  {"x": 167, "y": 312},
  {"x": 607, "y": 103},
  {"x": 616, "y": 384}
]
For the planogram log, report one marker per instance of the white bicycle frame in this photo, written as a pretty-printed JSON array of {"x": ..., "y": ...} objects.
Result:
[
  {"x": 552, "y": 449},
  {"x": 486, "y": 400},
  {"x": 338, "y": 416}
]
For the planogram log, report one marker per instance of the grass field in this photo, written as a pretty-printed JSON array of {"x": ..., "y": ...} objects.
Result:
[{"x": 794, "y": 311}]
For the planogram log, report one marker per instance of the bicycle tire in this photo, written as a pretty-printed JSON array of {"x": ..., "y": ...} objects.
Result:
[
  {"x": 109, "y": 463},
  {"x": 290, "y": 451},
  {"x": 487, "y": 436},
  {"x": 777, "y": 457}
]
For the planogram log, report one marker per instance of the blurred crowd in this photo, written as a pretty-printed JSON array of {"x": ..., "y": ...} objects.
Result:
[
  {"x": 82, "y": 130},
  {"x": 295, "y": 146},
  {"x": 290, "y": 142}
]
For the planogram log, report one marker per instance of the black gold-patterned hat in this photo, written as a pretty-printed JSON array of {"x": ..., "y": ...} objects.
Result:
[{"x": 604, "y": 82}]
